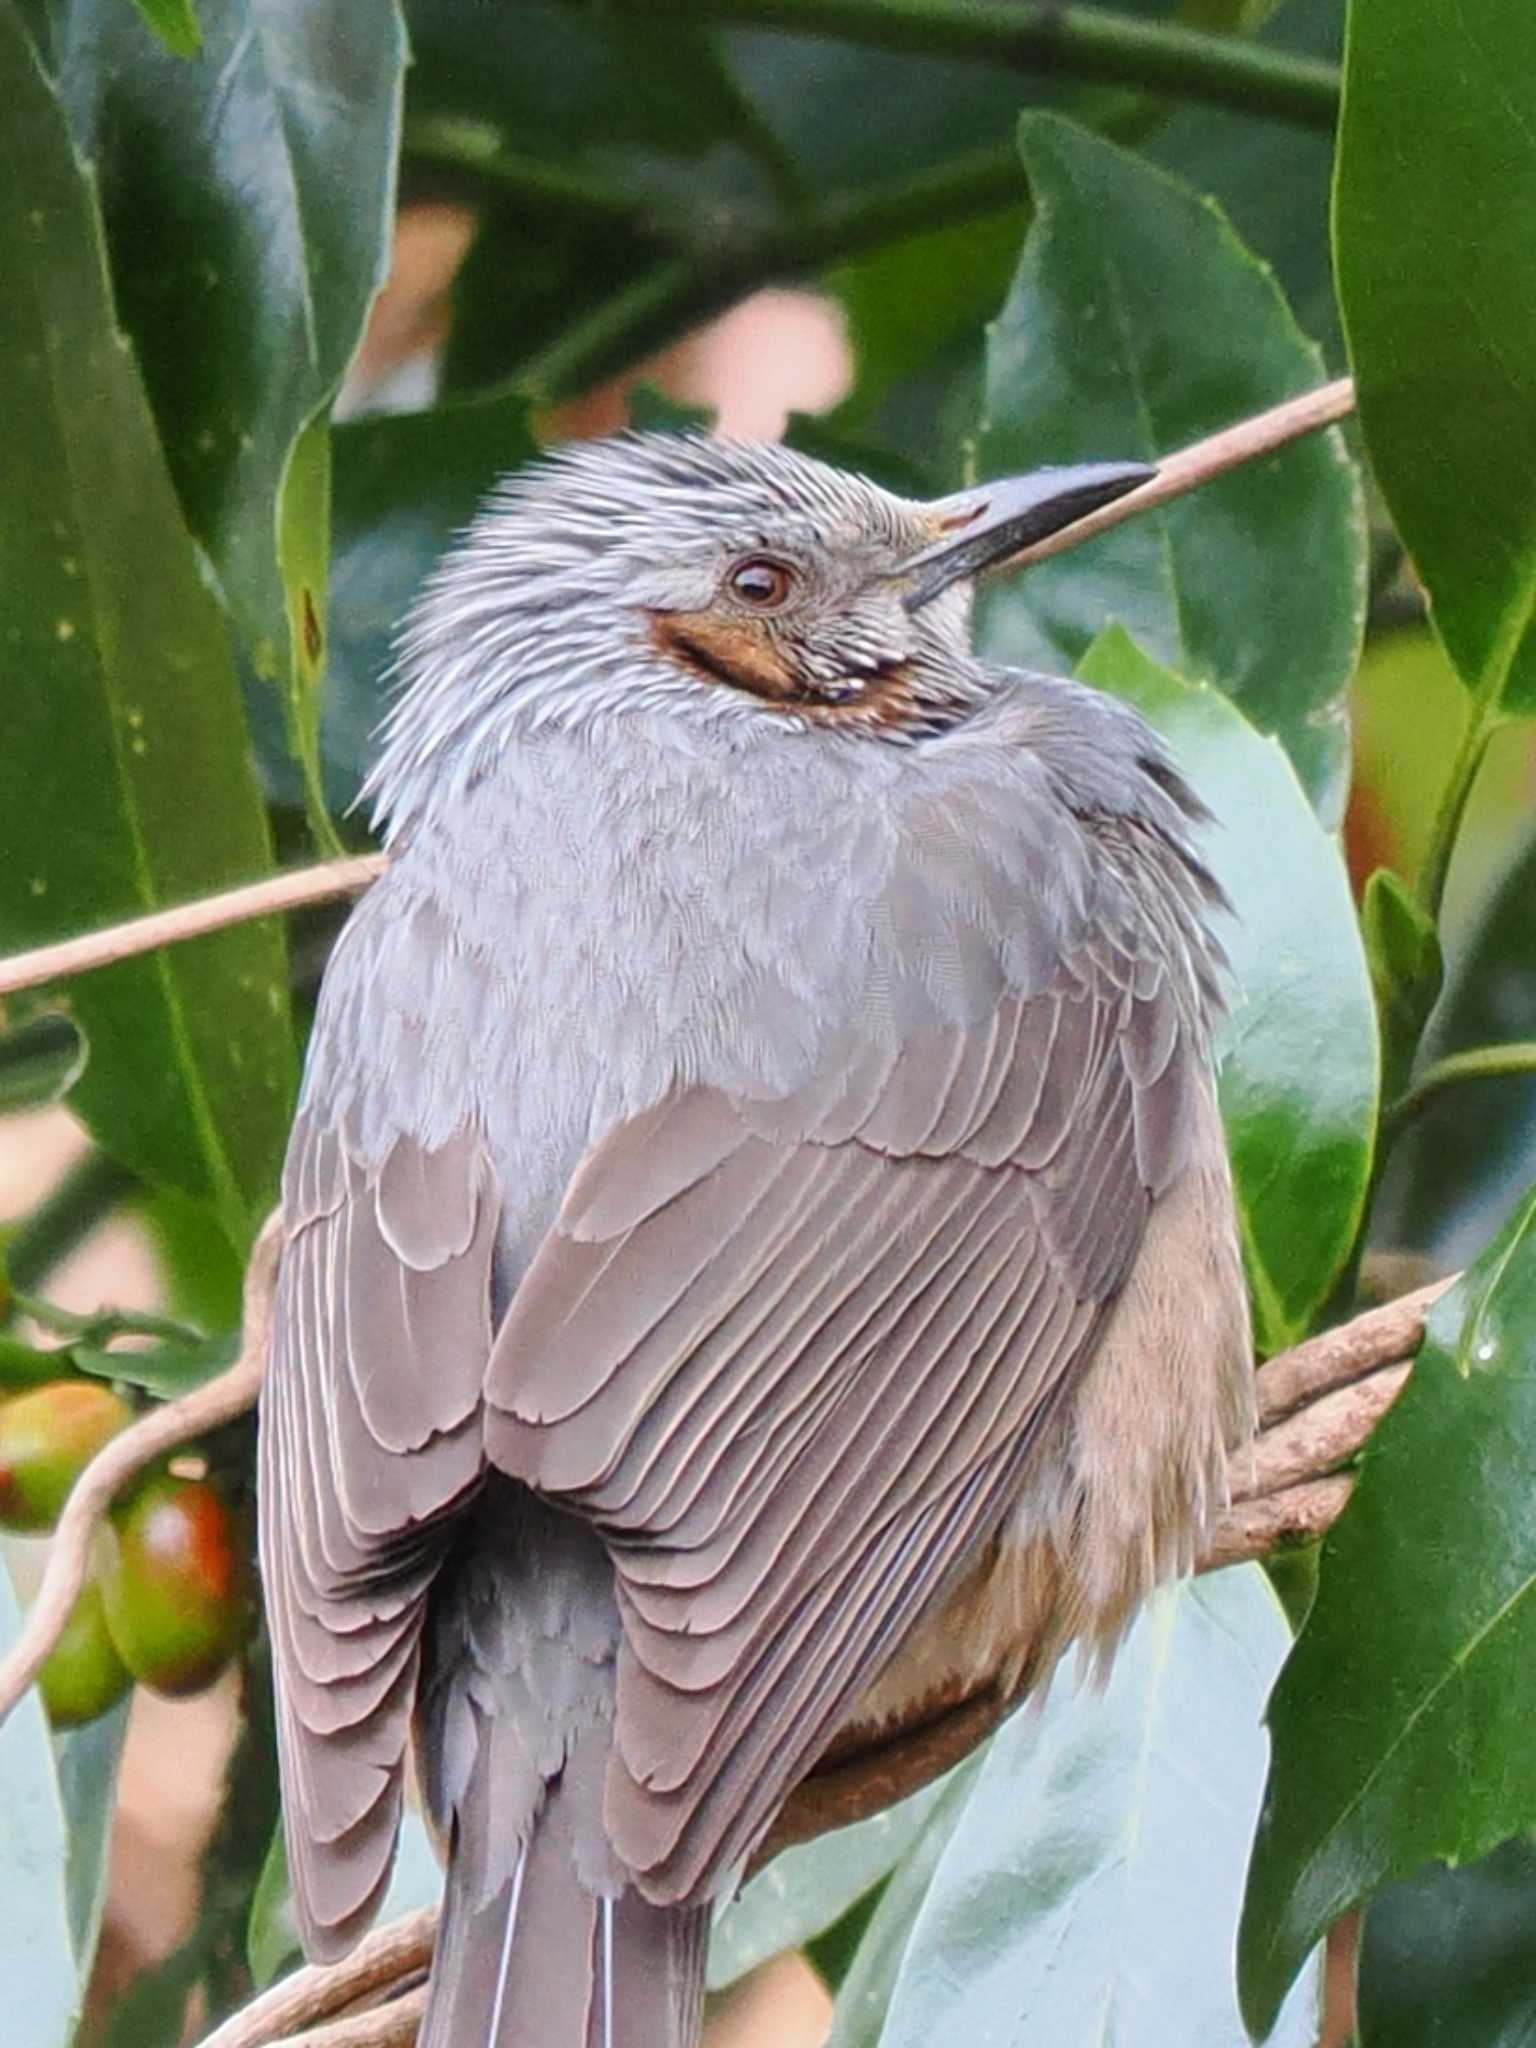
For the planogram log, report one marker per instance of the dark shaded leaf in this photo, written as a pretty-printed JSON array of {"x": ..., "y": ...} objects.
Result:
[
  {"x": 1138, "y": 323},
  {"x": 1272, "y": 180},
  {"x": 248, "y": 197},
  {"x": 405, "y": 485},
  {"x": 124, "y": 778},
  {"x": 1299, "y": 1070},
  {"x": 1459, "y": 1167},
  {"x": 1407, "y": 970},
  {"x": 38, "y": 1964},
  {"x": 40, "y": 1060},
  {"x": 1448, "y": 1958},
  {"x": 1088, "y": 1891},
  {"x": 164, "y": 1370},
  {"x": 1401, "y": 1723},
  {"x": 1435, "y": 232}
]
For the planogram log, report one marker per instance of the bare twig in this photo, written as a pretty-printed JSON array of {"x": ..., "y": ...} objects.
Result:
[
  {"x": 1192, "y": 466},
  {"x": 316, "y": 1994},
  {"x": 1381, "y": 1336},
  {"x": 292, "y": 891},
  {"x": 382, "y": 2026},
  {"x": 1205, "y": 460},
  {"x": 1297, "y": 1514},
  {"x": 216, "y": 1402}
]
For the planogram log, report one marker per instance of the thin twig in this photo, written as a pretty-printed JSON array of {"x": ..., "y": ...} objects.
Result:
[
  {"x": 195, "y": 920},
  {"x": 1192, "y": 466},
  {"x": 1205, "y": 460},
  {"x": 207, "y": 1407},
  {"x": 1515, "y": 1060}
]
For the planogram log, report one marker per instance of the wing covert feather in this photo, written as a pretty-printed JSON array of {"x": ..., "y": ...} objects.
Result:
[{"x": 791, "y": 1367}]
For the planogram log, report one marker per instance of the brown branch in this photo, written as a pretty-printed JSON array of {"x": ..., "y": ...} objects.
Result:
[
  {"x": 311, "y": 1996},
  {"x": 1381, "y": 1336},
  {"x": 383, "y": 2026},
  {"x": 1190, "y": 467},
  {"x": 216, "y": 1402},
  {"x": 292, "y": 891}
]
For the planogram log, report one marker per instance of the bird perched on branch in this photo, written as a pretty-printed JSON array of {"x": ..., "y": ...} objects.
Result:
[{"x": 759, "y": 1247}]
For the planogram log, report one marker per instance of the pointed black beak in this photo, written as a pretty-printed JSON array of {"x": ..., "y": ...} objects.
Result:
[{"x": 980, "y": 528}]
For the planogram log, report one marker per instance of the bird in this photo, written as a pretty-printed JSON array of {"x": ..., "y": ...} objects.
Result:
[{"x": 758, "y": 1243}]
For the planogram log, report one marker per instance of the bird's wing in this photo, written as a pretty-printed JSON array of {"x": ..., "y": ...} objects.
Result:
[
  {"x": 788, "y": 1356},
  {"x": 370, "y": 1430}
]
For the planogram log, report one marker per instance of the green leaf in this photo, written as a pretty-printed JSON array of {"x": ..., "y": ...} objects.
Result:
[
  {"x": 1448, "y": 1958},
  {"x": 125, "y": 782},
  {"x": 37, "y": 1955},
  {"x": 808, "y": 1889},
  {"x": 1407, "y": 970},
  {"x": 249, "y": 202},
  {"x": 40, "y": 1060},
  {"x": 1401, "y": 1723},
  {"x": 1088, "y": 1891},
  {"x": 1299, "y": 1076},
  {"x": 1435, "y": 247},
  {"x": 404, "y": 485},
  {"x": 175, "y": 23},
  {"x": 864, "y": 1995},
  {"x": 1468, "y": 1157},
  {"x": 1136, "y": 324},
  {"x": 164, "y": 1370},
  {"x": 86, "y": 1760}
]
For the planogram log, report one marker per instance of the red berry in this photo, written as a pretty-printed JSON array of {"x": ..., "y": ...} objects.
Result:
[{"x": 178, "y": 1591}]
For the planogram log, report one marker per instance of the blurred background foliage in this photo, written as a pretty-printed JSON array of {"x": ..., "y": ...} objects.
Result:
[{"x": 288, "y": 284}]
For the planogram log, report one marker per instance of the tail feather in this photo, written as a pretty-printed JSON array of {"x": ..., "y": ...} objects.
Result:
[{"x": 544, "y": 1961}]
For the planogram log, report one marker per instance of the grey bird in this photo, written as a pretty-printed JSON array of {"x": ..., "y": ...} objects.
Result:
[{"x": 759, "y": 1246}]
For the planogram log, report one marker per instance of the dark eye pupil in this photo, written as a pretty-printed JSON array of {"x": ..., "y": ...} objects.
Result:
[{"x": 760, "y": 582}]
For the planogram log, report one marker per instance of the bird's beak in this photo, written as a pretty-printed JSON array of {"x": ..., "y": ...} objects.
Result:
[{"x": 980, "y": 528}]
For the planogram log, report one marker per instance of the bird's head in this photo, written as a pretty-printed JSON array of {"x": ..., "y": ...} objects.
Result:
[{"x": 732, "y": 582}]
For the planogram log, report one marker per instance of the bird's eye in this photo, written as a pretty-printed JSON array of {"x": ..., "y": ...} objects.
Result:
[{"x": 761, "y": 582}]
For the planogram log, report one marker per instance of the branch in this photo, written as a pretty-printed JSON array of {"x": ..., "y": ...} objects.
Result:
[
  {"x": 1087, "y": 43},
  {"x": 1481, "y": 1063},
  {"x": 386, "y": 1958},
  {"x": 207, "y": 1407},
  {"x": 1185, "y": 471},
  {"x": 188, "y": 921}
]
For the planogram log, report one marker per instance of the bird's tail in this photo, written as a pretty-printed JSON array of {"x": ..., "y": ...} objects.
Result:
[{"x": 538, "y": 1960}]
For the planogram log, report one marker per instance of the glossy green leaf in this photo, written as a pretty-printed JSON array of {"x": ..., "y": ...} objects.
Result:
[
  {"x": 1136, "y": 324},
  {"x": 249, "y": 200},
  {"x": 124, "y": 778},
  {"x": 1459, "y": 1167},
  {"x": 175, "y": 23},
  {"x": 808, "y": 1889},
  {"x": 1299, "y": 1073},
  {"x": 37, "y": 1955},
  {"x": 1088, "y": 1892},
  {"x": 40, "y": 1060},
  {"x": 1401, "y": 1724},
  {"x": 1448, "y": 1958},
  {"x": 1435, "y": 247}
]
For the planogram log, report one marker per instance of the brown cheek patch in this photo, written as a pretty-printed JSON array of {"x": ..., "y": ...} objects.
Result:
[{"x": 740, "y": 652}]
